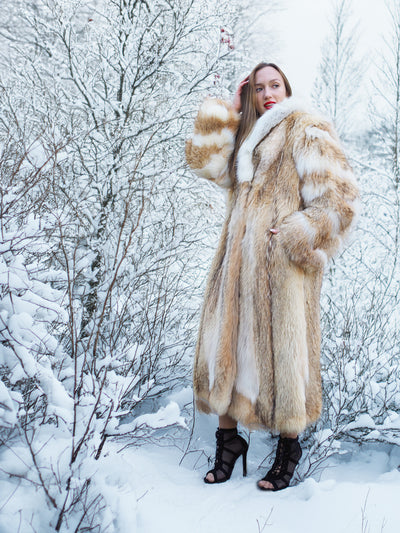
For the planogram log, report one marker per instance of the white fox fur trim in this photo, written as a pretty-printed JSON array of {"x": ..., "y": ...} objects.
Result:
[{"x": 261, "y": 128}]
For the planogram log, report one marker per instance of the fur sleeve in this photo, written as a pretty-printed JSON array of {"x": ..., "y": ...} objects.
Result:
[
  {"x": 211, "y": 144},
  {"x": 329, "y": 197}
]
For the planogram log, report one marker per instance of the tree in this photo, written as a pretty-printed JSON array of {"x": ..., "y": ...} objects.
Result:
[
  {"x": 103, "y": 223},
  {"x": 360, "y": 341},
  {"x": 336, "y": 89}
]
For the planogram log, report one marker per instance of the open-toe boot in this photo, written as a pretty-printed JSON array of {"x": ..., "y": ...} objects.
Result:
[
  {"x": 288, "y": 455},
  {"x": 230, "y": 446}
]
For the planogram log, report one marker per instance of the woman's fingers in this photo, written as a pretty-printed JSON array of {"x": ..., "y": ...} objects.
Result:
[{"x": 237, "y": 104}]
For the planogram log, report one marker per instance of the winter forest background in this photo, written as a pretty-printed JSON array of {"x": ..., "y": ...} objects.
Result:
[{"x": 106, "y": 238}]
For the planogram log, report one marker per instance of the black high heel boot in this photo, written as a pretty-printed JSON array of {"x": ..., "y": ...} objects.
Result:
[
  {"x": 230, "y": 446},
  {"x": 288, "y": 455}
]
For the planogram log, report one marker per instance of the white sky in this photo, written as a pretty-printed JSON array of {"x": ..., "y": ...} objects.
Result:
[{"x": 301, "y": 29}]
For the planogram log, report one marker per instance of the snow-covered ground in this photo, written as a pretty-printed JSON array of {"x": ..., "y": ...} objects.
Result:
[
  {"x": 159, "y": 487},
  {"x": 358, "y": 493}
]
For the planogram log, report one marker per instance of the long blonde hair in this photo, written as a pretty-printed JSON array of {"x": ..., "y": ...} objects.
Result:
[{"x": 249, "y": 111}]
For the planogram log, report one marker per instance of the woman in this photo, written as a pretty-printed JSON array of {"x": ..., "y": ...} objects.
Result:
[{"x": 292, "y": 200}]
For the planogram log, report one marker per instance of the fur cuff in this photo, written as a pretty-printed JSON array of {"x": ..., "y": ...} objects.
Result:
[
  {"x": 209, "y": 148},
  {"x": 297, "y": 237}
]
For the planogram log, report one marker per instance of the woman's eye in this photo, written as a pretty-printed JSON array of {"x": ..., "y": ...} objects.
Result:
[
  {"x": 276, "y": 86},
  {"x": 258, "y": 89}
]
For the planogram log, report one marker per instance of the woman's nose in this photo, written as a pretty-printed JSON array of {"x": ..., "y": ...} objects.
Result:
[{"x": 267, "y": 93}]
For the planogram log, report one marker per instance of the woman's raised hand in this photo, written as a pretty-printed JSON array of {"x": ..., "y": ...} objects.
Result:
[{"x": 237, "y": 103}]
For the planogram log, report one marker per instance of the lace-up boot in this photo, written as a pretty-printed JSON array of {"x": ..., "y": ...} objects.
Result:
[
  {"x": 288, "y": 455},
  {"x": 230, "y": 446}
]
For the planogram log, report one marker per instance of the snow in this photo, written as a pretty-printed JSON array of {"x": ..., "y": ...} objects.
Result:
[
  {"x": 62, "y": 394},
  {"x": 7, "y": 411},
  {"x": 147, "y": 490},
  {"x": 366, "y": 485},
  {"x": 164, "y": 417}
]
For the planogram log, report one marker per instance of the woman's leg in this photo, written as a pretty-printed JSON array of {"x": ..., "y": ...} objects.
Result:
[
  {"x": 296, "y": 451},
  {"x": 230, "y": 446},
  {"x": 226, "y": 422}
]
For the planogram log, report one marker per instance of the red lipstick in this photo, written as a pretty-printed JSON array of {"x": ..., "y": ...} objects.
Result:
[{"x": 269, "y": 104}]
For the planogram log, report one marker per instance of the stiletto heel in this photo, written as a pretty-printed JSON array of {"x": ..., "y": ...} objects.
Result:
[
  {"x": 244, "y": 458},
  {"x": 288, "y": 455},
  {"x": 230, "y": 446}
]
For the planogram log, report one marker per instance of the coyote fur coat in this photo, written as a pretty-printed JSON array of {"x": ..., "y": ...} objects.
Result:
[{"x": 258, "y": 350}]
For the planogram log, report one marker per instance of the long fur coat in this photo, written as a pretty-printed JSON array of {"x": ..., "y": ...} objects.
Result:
[{"x": 258, "y": 350}]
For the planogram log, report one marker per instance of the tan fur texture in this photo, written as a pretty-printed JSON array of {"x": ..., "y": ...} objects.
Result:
[
  {"x": 258, "y": 350},
  {"x": 212, "y": 142}
]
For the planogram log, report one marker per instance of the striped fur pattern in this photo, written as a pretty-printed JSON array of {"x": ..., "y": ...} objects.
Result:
[
  {"x": 258, "y": 350},
  {"x": 209, "y": 148}
]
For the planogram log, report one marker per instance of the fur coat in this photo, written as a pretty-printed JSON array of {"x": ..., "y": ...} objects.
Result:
[{"x": 258, "y": 350}]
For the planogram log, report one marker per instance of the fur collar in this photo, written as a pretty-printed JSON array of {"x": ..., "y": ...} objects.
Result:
[{"x": 261, "y": 128}]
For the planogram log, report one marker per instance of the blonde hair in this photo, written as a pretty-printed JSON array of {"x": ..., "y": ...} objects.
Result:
[{"x": 249, "y": 111}]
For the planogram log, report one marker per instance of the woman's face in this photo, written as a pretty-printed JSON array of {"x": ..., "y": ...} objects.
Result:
[{"x": 270, "y": 89}]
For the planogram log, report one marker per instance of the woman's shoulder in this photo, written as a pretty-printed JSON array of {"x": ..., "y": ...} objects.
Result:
[
  {"x": 295, "y": 114},
  {"x": 307, "y": 122},
  {"x": 303, "y": 113}
]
